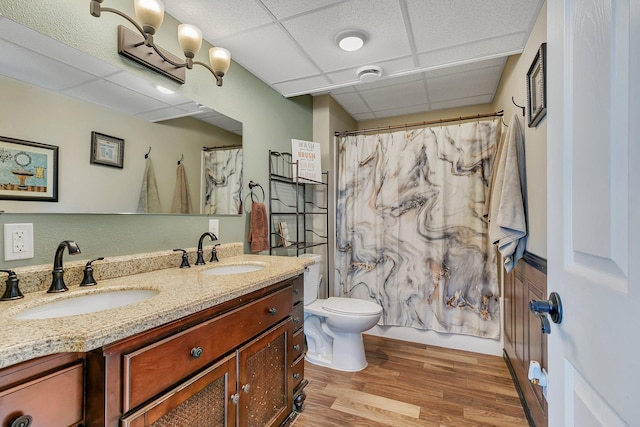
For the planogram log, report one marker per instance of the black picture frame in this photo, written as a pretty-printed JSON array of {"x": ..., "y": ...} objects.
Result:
[
  {"x": 107, "y": 150},
  {"x": 28, "y": 170},
  {"x": 537, "y": 87}
]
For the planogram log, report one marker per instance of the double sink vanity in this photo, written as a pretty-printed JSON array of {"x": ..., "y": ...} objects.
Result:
[{"x": 156, "y": 345}]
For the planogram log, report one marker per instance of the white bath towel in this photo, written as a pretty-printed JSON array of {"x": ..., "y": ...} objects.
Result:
[
  {"x": 181, "y": 196},
  {"x": 508, "y": 210},
  {"x": 149, "y": 201}
]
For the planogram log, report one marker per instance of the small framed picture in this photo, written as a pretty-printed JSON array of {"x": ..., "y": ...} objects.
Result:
[
  {"x": 28, "y": 170},
  {"x": 107, "y": 150},
  {"x": 537, "y": 87}
]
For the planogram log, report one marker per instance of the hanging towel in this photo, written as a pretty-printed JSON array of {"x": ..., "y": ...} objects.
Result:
[
  {"x": 181, "y": 197},
  {"x": 258, "y": 228},
  {"x": 508, "y": 210},
  {"x": 149, "y": 201}
]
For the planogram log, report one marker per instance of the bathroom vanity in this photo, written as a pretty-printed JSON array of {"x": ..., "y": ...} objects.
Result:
[{"x": 233, "y": 356}]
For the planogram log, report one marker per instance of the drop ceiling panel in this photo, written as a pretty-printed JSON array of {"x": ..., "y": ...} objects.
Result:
[
  {"x": 460, "y": 85},
  {"x": 302, "y": 85},
  {"x": 433, "y": 20},
  {"x": 477, "y": 65},
  {"x": 352, "y": 102},
  {"x": 115, "y": 97},
  {"x": 397, "y": 96},
  {"x": 28, "y": 66},
  {"x": 472, "y": 52},
  {"x": 274, "y": 58},
  {"x": 380, "y": 19},
  {"x": 219, "y": 19},
  {"x": 462, "y": 102},
  {"x": 283, "y": 9}
]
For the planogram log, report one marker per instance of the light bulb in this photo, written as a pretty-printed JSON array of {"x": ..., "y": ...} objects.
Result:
[
  {"x": 190, "y": 39},
  {"x": 220, "y": 60},
  {"x": 150, "y": 14}
]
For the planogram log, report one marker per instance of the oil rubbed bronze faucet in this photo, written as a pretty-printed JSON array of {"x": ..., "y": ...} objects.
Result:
[
  {"x": 57, "y": 285},
  {"x": 200, "y": 260}
]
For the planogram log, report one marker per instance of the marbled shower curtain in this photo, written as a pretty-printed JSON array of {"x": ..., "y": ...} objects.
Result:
[
  {"x": 410, "y": 229},
  {"x": 222, "y": 181}
]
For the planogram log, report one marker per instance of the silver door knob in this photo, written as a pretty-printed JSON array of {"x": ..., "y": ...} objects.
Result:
[{"x": 552, "y": 307}]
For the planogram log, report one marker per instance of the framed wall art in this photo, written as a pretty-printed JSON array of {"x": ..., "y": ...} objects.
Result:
[
  {"x": 107, "y": 150},
  {"x": 537, "y": 87},
  {"x": 28, "y": 170}
]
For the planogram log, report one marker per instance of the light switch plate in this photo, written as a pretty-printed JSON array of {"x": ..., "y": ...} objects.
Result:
[
  {"x": 18, "y": 241},
  {"x": 214, "y": 227}
]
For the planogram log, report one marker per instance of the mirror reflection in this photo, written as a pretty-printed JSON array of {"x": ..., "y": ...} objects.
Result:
[{"x": 62, "y": 101}]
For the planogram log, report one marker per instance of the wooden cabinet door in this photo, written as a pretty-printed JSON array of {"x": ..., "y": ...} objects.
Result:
[
  {"x": 202, "y": 401},
  {"x": 262, "y": 378}
]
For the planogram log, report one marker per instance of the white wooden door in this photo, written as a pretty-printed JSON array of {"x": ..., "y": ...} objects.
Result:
[{"x": 593, "y": 239}]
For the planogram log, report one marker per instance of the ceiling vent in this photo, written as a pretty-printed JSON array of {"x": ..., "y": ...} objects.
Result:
[{"x": 369, "y": 73}]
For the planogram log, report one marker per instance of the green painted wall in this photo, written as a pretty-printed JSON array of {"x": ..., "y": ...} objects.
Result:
[{"x": 269, "y": 122}]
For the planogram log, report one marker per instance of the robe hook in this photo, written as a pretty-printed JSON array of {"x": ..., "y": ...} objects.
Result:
[
  {"x": 146, "y": 156},
  {"x": 514, "y": 103},
  {"x": 181, "y": 159}
]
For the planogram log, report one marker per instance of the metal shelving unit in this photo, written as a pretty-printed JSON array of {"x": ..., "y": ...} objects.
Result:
[{"x": 301, "y": 204}]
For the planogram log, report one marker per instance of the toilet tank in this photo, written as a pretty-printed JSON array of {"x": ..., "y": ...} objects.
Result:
[{"x": 312, "y": 278}]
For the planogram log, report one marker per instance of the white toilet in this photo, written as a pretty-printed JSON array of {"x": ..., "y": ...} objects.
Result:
[{"x": 333, "y": 327}]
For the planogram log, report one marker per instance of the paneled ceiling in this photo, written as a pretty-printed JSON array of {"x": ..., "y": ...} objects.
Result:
[{"x": 434, "y": 54}]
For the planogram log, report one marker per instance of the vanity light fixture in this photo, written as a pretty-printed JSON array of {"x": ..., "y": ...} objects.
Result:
[
  {"x": 351, "y": 40},
  {"x": 142, "y": 49}
]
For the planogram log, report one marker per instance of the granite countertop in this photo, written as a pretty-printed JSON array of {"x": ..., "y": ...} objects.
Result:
[{"x": 181, "y": 292}]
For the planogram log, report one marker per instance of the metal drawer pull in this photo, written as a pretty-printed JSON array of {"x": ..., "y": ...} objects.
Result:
[
  {"x": 296, "y": 291},
  {"x": 296, "y": 376},
  {"x": 296, "y": 347},
  {"x": 296, "y": 320},
  {"x": 196, "y": 352},
  {"x": 246, "y": 388},
  {"x": 235, "y": 398},
  {"x": 272, "y": 311}
]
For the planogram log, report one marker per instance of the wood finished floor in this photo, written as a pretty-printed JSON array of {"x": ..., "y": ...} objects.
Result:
[{"x": 408, "y": 384}]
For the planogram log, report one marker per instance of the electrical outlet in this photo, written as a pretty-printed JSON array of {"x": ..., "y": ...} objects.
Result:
[
  {"x": 214, "y": 227},
  {"x": 18, "y": 241}
]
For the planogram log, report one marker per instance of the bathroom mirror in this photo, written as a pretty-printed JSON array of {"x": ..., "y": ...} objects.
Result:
[{"x": 66, "y": 97}]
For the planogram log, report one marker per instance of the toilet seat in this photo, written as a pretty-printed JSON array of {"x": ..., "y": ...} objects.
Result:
[{"x": 351, "y": 306}]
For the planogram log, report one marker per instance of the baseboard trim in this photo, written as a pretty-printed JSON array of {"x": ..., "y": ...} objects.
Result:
[{"x": 523, "y": 402}]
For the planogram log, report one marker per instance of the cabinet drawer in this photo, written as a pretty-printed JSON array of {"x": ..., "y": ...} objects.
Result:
[
  {"x": 297, "y": 316},
  {"x": 42, "y": 400},
  {"x": 180, "y": 355},
  {"x": 298, "y": 290},
  {"x": 297, "y": 373},
  {"x": 203, "y": 397},
  {"x": 297, "y": 345}
]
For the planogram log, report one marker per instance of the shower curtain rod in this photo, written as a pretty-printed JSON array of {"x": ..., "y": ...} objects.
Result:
[
  {"x": 222, "y": 147},
  {"x": 432, "y": 122}
]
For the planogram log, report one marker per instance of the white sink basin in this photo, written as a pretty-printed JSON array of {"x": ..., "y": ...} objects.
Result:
[
  {"x": 234, "y": 269},
  {"x": 85, "y": 304}
]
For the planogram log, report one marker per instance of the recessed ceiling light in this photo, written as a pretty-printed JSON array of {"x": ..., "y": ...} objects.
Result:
[
  {"x": 164, "y": 90},
  {"x": 351, "y": 40}
]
